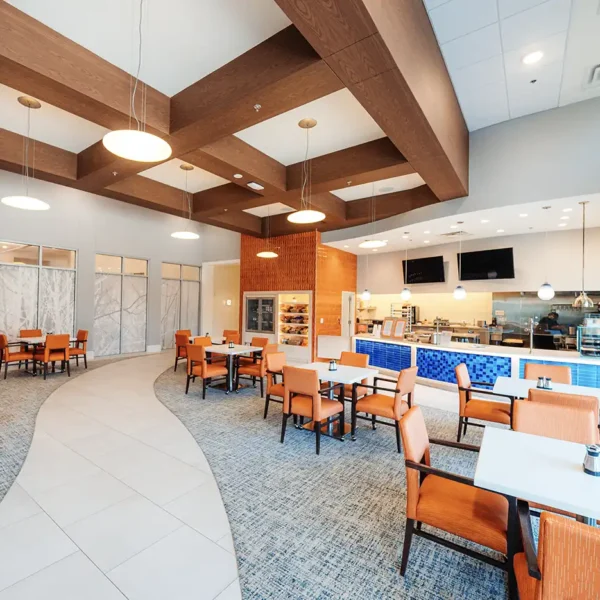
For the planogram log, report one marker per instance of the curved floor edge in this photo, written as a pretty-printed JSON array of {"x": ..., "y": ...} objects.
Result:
[{"x": 115, "y": 499}]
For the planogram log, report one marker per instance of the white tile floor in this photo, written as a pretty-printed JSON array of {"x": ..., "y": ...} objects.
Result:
[{"x": 115, "y": 500}]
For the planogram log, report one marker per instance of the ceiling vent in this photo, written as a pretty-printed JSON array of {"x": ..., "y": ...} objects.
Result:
[
  {"x": 454, "y": 234},
  {"x": 594, "y": 79}
]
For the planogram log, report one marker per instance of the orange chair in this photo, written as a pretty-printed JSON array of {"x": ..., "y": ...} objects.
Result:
[
  {"x": 56, "y": 349},
  {"x": 213, "y": 357},
  {"x": 255, "y": 370},
  {"x": 484, "y": 410},
  {"x": 447, "y": 501},
  {"x": 80, "y": 347},
  {"x": 354, "y": 359},
  {"x": 182, "y": 340},
  {"x": 187, "y": 332},
  {"x": 302, "y": 398},
  {"x": 566, "y": 565},
  {"x": 198, "y": 366},
  {"x": 561, "y": 399},
  {"x": 7, "y": 357},
  {"x": 231, "y": 336},
  {"x": 259, "y": 342},
  {"x": 30, "y": 333},
  {"x": 384, "y": 405},
  {"x": 558, "y": 373},
  {"x": 275, "y": 363},
  {"x": 202, "y": 341}
]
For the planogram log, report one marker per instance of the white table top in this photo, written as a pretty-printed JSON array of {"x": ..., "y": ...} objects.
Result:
[
  {"x": 537, "y": 469},
  {"x": 344, "y": 373},
  {"x": 237, "y": 349},
  {"x": 31, "y": 340},
  {"x": 520, "y": 387}
]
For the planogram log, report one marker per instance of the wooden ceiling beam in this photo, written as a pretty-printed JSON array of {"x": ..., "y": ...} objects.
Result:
[
  {"x": 240, "y": 222},
  {"x": 387, "y": 55},
  {"x": 225, "y": 198}
]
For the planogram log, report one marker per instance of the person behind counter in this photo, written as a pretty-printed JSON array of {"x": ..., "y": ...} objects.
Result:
[{"x": 550, "y": 324}]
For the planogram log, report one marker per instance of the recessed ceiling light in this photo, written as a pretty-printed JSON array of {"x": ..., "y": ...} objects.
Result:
[
  {"x": 237, "y": 175},
  {"x": 426, "y": 242},
  {"x": 255, "y": 186},
  {"x": 523, "y": 215},
  {"x": 499, "y": 230},
  {"x": 373, "y": 244},
  {"x": 4, "y": 247},
  {"x": 562, "y": 224},
  {"x": 565, "y": 217},
  {"x": 426, "y": 232},
  {"x": 386, "y": 190},
  {"x": 532, "y": 57},
  {"x": 484, "y": 220},
  {"x": 453, "y": 226},
  {"x": 374, "y": 249},
  {"x": 346, "y": 246},
  {"x": 567, "y": 210}
]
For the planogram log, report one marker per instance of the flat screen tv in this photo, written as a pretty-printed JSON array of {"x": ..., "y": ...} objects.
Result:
[
  {"x": 486, "y": 264},
  {"x": 424, "y": 270}
]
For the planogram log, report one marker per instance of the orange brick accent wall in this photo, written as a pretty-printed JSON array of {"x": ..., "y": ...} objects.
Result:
[{"x": 336, "y": 273}]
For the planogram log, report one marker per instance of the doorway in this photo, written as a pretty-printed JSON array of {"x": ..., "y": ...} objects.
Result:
[{"x": 348, "y": 314}]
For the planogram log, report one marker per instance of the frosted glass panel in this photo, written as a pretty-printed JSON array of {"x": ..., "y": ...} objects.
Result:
[
  {"x": 133, "y": 326},
  {"x": 18, "y": 299},
  {"x": 107, "y": 314},
  {"x": 57, "y": 301},
  {"x": 190, "y": 296},
  {"x": 169, "y": 311}
]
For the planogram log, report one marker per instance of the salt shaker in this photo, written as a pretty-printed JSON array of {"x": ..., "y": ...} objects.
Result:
[
  {"x": 540, "y": 383},
  {"x": 231, "y": 344},
  {"x": 591, "y": 463},
  {"x": 547, "y": 383},
  {"x": 332, "y": 365}
]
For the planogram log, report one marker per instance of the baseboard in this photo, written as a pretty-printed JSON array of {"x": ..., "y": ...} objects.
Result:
[{"x": 155, "y": 348}]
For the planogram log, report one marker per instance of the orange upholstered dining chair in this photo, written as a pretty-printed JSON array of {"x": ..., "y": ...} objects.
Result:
[
  {"x": 259, "y": 342},
  {"x": 198, "y": 366},
  {"x": 30, "y": 333},
  {"x": 7, "y": 357},
  {"x": 558, "y": 373},
  {"x": 561, "y": 399},
  {"x": 447, "y": 501},
  {"x": 388, "y": 406},
  {"x": 483, "y": 410},
  {"x": 231, "y": 335},
  {"x": 302, "y": 398},
  {"x": 275, "y": 363},
  {"x": 80, "y": 347},
  {"x": 566, "y": 565},
  {"x": 56, "y": 349},
  {"x": 255, "y": 370},
  {"x": 187, "y": 332},
  {"x": 354, "y": 359},
  {"x": 182, "y": 340}
]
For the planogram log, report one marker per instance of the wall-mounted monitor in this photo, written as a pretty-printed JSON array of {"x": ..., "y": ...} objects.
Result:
[
  {"x": 424, "y": 270},
  {"x": 486, "y": 264}
]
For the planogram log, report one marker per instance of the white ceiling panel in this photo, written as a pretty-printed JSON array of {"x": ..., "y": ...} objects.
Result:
[
  {"x": 472, "y": 48},
  {"x": 270, "y": 210},
  {"x": 184, "y": 40},
  {"x": 481, "y": 74},
  {"x": 553, "y": 48},
  {"x": 341, "y": 123},
  {"x": 171, "y": 174},
  {"x": 526, "y": 98},
  {"x": 384, "y": 186},
  {"x": 429, "y": 4},
  {"x": 48, "y": 123},
  {"x": 485, "y": 106},
  {"x": 459, "y": 17},
  {"x": 506, "y": 8}
]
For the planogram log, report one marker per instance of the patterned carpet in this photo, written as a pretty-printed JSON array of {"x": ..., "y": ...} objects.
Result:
[
  {"x": 328, "y": 526},
  {"x": 21, "y": 397}
]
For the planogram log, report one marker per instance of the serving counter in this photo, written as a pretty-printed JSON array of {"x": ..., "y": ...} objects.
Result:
[{"x": 485, "y": 363}]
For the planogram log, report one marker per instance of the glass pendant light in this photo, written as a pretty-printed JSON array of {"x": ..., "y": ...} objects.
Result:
[
  {"x": 459, "y": 291},
  {"x": 583, "y": 300},
  {"x": 268, "y": 252},
  {"x": 373, "y": 244},
  {"x": 406, "y": 293},
  {"x": 307, "y": 214},
  {"x": 137, "y": 144},
  {"x": 546, "y": 291},
  {"x": 366, "y": 295},
  {"x": 187, "y": 199},
  {"x": 27, "y": 202}
]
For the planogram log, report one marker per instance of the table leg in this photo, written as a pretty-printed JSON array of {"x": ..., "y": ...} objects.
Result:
[
  {"x": 342, "y": 423},
  {"x": 229, "y": 373},
  {"x": 512, "y": 410},
  {"x": 514, "y": 545}
]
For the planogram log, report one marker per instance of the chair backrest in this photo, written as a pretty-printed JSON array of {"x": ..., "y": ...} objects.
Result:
[
  {"x": 30, "y": 333},
  {"x": 568, "y": 558},
  {"x": 558, "y": 373},
  {"x": 259, "y": 341},
  {"x": 202, "y": 341},
  {"x": 58, "y": 342},
  {"x": 416, "y": 448},
  {"x": 187, "y": 332},
  {"x": 463, "y": 379},
  {"x": 301, "y": 381},
  {"x": 82, "y": 335},
  {"x": 196, "y": 354},
  {"x": 181, "y": 341},
  {"x": 227, "y": 332},
  {"x": 268, "y": 349},
  {"x": 406, "y": 384},
  {"x": 354, "y": 359},
  {"x": 275, "y": 361},
  {"x": 560, "y": 399},
  {"x": 3, "y": 347},
  {"x": 569, "y": 423},
  {"x": 231, "y": 336}
]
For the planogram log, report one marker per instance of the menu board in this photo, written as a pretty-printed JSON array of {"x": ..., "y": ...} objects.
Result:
[
  {"x": 387, "y": 328},
  {"x": 399, "y": 328}
]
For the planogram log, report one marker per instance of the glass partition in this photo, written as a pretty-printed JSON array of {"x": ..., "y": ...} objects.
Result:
[
  {"x": 105, "y": 263},
  {"x": 19, "y": 254},
  {"x": 57, "y": 257}
]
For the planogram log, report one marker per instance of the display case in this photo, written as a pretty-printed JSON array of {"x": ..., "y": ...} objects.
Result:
[
  {"x": 408, "y": 312},
  {"x": 294, "y": 320},
  {"x": 588, "y": 339},
  {"x": 260, "y": 315}
]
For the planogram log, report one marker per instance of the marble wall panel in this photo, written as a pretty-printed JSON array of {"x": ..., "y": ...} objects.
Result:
[
  {"x": 190, "y": 305},
  {"x": 57, "y": 301},
  {"x": 107, "y": 314},
  {"x": 133, "y": 317},
  {"x": 170, "y": 299},
  {"x": 18, "y": 299}
]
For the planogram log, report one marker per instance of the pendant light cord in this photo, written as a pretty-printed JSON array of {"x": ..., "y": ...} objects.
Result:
[
  {"x": 137, "y": 74},
  {"x": 583, "y": 252},
  {"x": 306, "y": 177},
  {"x": 459, "y": 256}
]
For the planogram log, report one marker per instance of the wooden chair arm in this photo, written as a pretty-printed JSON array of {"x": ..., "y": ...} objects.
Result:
[
  {"x": 485, "y": 392},
  {"x": 330, "y": 389},
  {"x": 432, "y": 471},
  {"x": 527, "y": 537},
  {"x": 376, "y": 379},
  {"x": 457, "y": 445},
  {"x": 378, "y": 387},
  {"x": 482, "y": 383}
]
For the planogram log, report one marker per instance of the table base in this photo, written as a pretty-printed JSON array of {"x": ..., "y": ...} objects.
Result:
[{"x": 329, "y": 429}]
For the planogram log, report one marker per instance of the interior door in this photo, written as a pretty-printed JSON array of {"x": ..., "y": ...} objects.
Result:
[{"x": 348, "y": 313}]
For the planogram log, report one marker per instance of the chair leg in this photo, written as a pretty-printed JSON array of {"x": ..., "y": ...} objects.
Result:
[
  {"x": 318, "y": 436},
  {"x": 175, "y": 369},
  {"x": 267, "y": 398},
  {"x": 203, "y": 389},
  {"x": 54, "y": 366},
  {"x": 284, "y": 419},
  {"x": 85, "y": 360},
  {"x": 410, "y": 524},
  {"x": 45, "y": 371},
  {"x": 5, "y": 370},
  {"x": 254, "y": 382},
  {"x": 465, "y": 429},
  {"x": 460, "y": 426},
  {"x": 187, "y": 384},
  {"x": 262, "y": 388},
  {"x": 373, "y": 417},
  {"x": 77, "y": 359},
  {"x": 26, "y": 365},
  {"x": 19, "y": 365},
  {"x": 68, "y": 368},
  {"x": 398, "y": 442},
  {"x": 353, "y": 427}
]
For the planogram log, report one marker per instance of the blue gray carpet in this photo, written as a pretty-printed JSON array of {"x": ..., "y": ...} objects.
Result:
[{"x": 329, "y": 526}]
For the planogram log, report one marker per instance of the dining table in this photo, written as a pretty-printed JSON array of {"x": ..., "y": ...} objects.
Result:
[
  {"x": 34, "y": 341},
  {"x": 230, "y": 353},
  {"x": 344, "y": 374},
  {"x": 536, "y": 469}
]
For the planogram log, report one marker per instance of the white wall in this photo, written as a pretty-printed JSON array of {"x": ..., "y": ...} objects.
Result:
[
  {"x": 92, "y": 224},
  {"x": 220, "y": 282}
]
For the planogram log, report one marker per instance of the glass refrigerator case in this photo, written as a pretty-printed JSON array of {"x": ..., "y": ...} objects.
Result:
[
  {"x": 588, "y": 339},
  {"x": 259, "y": 315}
]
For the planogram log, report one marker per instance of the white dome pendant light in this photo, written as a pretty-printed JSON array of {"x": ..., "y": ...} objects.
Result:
[
  {"x": 406, "y": 293},
  {"x": 27, "y": 202},
  {"x": 268, "y": 252},
  {"x": 546, "y": 291},
  {"x": 137, "y": 144},
  {"x": 187, "y": 199},
  {"x": 459, "y": 291},
  {"x": 306, "y": 214},
  {"x": 583, "y": 300}
]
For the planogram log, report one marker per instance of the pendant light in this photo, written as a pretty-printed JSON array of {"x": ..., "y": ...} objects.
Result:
[
  {"x": 137, "y": 144},
  {"x": 306, "y": 215},
  {"x": 459, "y": 291},
  {"x": 268, "y": 252},
  {"x": 406, "y": 293},
  {"x": 372, "y": 243},
  {"x": 583, "y": 300},
  {"x": 27, "y": 202},
  {"x": 546, "y": 291},
  {"x": 187, "y": 199}
]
